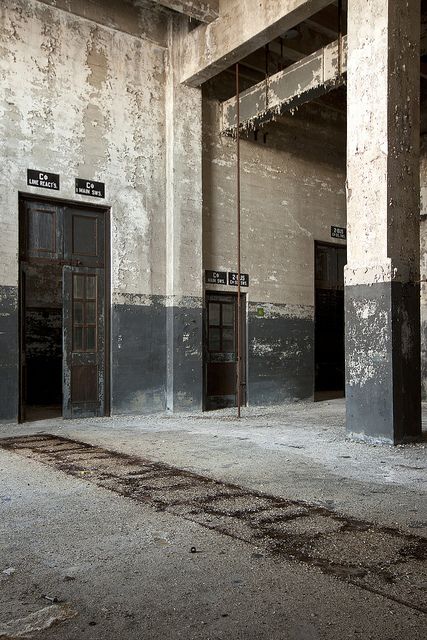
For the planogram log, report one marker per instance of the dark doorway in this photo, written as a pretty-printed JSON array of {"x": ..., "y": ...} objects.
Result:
[
  {"x": 329, "y": 320},
  {"x": 220, "y": 350},
  {"x": 62, "y": 310}
]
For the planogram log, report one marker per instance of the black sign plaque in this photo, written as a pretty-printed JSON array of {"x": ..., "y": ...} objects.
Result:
[
  {"x": 339, "y": 232},
  {"x": 244, "y": 279},
  {"x": 90, "y": 188},
  {"x": 215, "y": 277},
  {"x": 42, "y": 179}
]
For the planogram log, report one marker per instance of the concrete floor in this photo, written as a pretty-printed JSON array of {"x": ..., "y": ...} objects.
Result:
[{"x": 126, "y": 571}]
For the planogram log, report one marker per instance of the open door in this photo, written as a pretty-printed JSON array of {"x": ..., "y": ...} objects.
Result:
[
  {"x": 329, "y": 320},
  {"x": 84, "y": 342},
  {"x": 64, "y": 362},
  {"x": 83, "y": 314}
]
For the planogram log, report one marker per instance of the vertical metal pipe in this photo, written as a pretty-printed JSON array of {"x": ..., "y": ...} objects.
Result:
[{"x": 239, "y": 311}]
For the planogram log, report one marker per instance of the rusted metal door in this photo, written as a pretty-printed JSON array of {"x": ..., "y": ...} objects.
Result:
[
  {"x": 84, "y": 314},
  {"x": 221, "y": 350}
]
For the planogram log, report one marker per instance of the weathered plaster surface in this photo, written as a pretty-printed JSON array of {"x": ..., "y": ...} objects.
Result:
[
  {"x": 242, "y": 27},
  {"x": 139, "y": 18},
  {"x": 89, "y": 103},
  {"x": 383, "y": 203},
  {"x": 183, "y": 232},
  {"x": 292, "y": 192},
  {"x": 83, "y": 95},
  {"x": 205, "y": 11},
  {"x": 307, "y": 79},
  {"x": 383, "y": 141}
]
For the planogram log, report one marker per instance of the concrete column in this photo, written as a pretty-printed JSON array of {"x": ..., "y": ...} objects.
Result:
[
  {"x": 183, "y": 232},
  {"x": 382, "y": 274}
]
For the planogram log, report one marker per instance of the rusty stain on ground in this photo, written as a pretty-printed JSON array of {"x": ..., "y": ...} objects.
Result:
[{"x": 382, "y": 560}]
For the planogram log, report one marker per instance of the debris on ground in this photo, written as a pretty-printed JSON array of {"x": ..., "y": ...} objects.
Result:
[{"x": 37, "y": 621}]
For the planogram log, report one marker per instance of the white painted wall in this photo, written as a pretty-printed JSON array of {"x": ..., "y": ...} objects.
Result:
[{"x": 83, "y": 99}]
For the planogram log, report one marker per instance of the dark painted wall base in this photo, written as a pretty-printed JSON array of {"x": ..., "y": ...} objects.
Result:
[
  {"x": 185, "y": 356},
  {"x": 138, "y": 358},
  {"x": 383, "y": 378},
  {"x": 9, "y": 373},
  {"x": 280, "y": 356},
  {"x": 157, "y": 357}
]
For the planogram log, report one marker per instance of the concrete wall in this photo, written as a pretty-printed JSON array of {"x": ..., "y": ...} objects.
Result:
[
  {"x": 292, "y": 192},
  {"x": 83, "y": 95}
]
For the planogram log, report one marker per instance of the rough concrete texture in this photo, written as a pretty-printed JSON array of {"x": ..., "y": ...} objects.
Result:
[
  {"x": 242, "y": 27},
  {"x": 183, "y": 232},
  {"x": 383, "y": 363},
  {"x": 109, "y": 101},
  {"x": 204, "y": 11},
  {"x": 136, "y": 577},
  {"x": 383, "y": 196},
  {"x": 304, "y": 81},
  {"x": 383, "y": 202},
  {"x": 292, "y": 190}
]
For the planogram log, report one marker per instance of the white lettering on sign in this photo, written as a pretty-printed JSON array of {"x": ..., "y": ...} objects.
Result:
[
  {"x": 41, "y": 179},
  {"x": 89, "y": 188}
]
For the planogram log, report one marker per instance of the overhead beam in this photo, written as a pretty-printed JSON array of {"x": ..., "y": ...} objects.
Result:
[
  {"x": 242, "y": 27},
  {"x": 302, "y": 82},
  {"x": 204, "y": 10}
]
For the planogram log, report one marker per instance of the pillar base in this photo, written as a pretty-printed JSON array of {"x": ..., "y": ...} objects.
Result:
[{"x": 383, "y": 377}]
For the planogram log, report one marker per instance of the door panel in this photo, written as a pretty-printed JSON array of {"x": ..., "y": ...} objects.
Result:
[
  {"x": 221, "y": 350},
  {"x": 84, "y": 342},
  {"x": 42, "y": 236},
  {"x": 84, "y": 237}
]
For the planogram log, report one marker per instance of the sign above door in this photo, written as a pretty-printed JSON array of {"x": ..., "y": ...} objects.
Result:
[
  {"x": 215, "y": 277},
  {"x": 339, "y": 232},
  {"x": 233, "y": 279},
  {"x": 90, "y": 188},
  {"x": 42, "y": 179}
]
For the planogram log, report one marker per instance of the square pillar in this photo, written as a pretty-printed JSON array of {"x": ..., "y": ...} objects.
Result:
[
  {"x": 383, "y": 193},
  {"x": 184, "y": 301}
]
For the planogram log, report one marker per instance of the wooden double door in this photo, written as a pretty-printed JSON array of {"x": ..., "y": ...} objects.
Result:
[
  {"x": 220, "y": 350},
  {"x": 62, "y": 294}
]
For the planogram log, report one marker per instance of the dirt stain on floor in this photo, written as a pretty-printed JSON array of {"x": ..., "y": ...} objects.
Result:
[{"x": 382, "y": 560}]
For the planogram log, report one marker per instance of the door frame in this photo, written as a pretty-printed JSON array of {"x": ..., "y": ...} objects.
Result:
[
  {"x": 244, "y": 354},
  {"x": 106, "y": 209}
]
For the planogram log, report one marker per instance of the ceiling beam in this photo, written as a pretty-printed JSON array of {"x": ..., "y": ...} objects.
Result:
[
  {"x": 202, "y": 10},
  {"x": 310, "y": 78},
  {"x": 243, "y": 27}
]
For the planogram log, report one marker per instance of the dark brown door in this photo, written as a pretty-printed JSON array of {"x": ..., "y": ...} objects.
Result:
[
  {"x": 62, "y": 302},
  {"x": 221, "y": 350},
  {"x": 329, "y": 318},
  {"x": 83, "y": 315},
  {"x": 84, "y": 237},
  {"x": 84, "y": 342}
]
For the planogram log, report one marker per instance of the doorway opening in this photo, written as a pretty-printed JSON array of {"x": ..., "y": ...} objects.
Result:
[
  {"x": 329, "y": 351},
  {"x": 220, "y": 350},
  {"x": 63, "y": 319}
]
